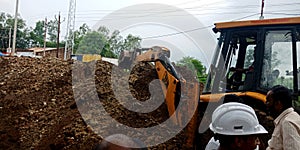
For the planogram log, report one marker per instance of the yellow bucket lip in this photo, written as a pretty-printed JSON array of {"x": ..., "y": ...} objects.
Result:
[{"x": 216, "y": 97}]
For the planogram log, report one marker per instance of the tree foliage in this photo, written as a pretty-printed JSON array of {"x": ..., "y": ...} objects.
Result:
[
  {"x": 103, "y": 42},
  {"x": 7, "y": 23},
  {"x": 195, "y": 65},
  {"x": 116, "y": 43},
  {"x": 37, "y": 34},
  {"x": 26, "y": 37},
  {"x": 92, "y": 43},
  {"x": 52, "y": 26},
  {"x": 79, "y": 34}
]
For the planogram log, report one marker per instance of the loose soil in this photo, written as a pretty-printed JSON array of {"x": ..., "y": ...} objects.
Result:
[{"x": 48, "y": 103}]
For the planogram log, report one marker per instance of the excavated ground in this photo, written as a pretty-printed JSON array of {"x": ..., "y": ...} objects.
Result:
[
  {"x": 54, "y": 104},
  {"x": 40, "y": 110}
]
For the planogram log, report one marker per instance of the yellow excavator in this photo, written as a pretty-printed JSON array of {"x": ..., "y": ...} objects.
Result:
[
  {"x": 251, "y": 57},
  {"x": 175, "y": 87},
  {"x": 128, "y": 58}
]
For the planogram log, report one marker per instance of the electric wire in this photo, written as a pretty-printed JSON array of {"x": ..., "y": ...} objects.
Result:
[
  {"x": 176, "y": 33},
  {"x": 195, "y": 8}
]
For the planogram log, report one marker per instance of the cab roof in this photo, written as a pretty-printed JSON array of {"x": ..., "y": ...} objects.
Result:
[{"x": 249, "y": 23}]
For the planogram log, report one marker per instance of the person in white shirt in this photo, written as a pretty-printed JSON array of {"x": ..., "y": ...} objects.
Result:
[{"x": 286, "y": 135}]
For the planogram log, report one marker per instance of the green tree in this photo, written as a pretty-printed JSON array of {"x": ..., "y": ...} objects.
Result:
[
  {"x": 107, "y": 44},
  {"x": 37, "y": 34},
  {"x": 6, "y": 23},
  {"x": 92, "y": 43},
  {"x": 196, "y": 65},
  {"x": 104, "y": 31},
  {"x": 79, "y": 34},
  {"x": 116, "y": 43},
  {"x": 113, "y": 42},
  {"x": 52, "y": 30},
  {"x": 132, "y": 42},
  {"x": 106, "y": 52}
]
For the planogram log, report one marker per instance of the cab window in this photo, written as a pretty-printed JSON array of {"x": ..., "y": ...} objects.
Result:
[{"x": 277, "y": 59}]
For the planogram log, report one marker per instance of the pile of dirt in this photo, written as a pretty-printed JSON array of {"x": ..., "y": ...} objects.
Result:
[
  {"x": 37, "y": 107},
  {"x": 48, "y": 103},
  {"x": 54, "y": 104}
]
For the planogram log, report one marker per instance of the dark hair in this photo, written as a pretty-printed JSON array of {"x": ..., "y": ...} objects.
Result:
[{"x": 282, "y": 94}]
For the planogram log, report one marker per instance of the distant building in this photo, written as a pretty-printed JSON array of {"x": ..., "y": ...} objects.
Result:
[
  {"x": 25, "y": 52},
  {"x": 39, "y": 52},
  {"x": 49, "y": 52}
]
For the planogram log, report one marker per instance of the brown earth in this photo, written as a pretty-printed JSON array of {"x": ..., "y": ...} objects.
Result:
[
  {"x": 54, "y": 104},
  {"x": 40, "y": 110}
]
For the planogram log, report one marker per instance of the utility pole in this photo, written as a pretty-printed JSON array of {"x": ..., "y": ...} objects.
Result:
[
  {"x": 58, "y": 30},
  {"x": 15, "y": 29},
  {"x": 262, "y": 10},
  {"x": 45, "y": 25},
  {"x": 9, "y": 41}
]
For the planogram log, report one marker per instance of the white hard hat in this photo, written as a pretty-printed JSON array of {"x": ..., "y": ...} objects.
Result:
[{"x": 235, "y": 119}]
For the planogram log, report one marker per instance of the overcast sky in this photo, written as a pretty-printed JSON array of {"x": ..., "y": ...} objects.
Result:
[
  {"x": 91, "y": 10},
  {"x": 173, "y": 16}
]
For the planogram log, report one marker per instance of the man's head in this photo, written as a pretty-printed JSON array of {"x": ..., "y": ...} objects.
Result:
[
  {"x": 278, "y": 99},
  {"x": 236, "y": 126}
]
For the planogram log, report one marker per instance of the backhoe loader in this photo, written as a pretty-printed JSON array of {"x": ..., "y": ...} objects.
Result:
[
  {"x": 251, "y": 57},
  {"x": 128, "y": 58},
  {"x": 175, "y": 87}
]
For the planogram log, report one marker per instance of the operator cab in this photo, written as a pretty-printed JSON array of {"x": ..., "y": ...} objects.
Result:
[{"x": 255, "y": 55}]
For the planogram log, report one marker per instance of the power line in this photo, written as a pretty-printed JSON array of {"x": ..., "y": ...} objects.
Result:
[
  {"x": 248, "y": 16},
  {"x": 284, "y": 4},
  {"x": 183, "y": 32},
  {"x": 207, "y": 7},
  {"x": 287, "y": 14},
  {"x": 176, "y": 33},
  {"x": 178, "y": 15},
  {"x": 147, "y": 13},
  {"x": 286, "y": 10},
  {"x": 104, "y": 11}
]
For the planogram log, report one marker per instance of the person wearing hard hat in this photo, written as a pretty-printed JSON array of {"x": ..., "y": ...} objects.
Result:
[
  {"x": 236, "y": 127},
  {"x": 213, "y": 144},
  {"x": 286, "y": 134}
]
